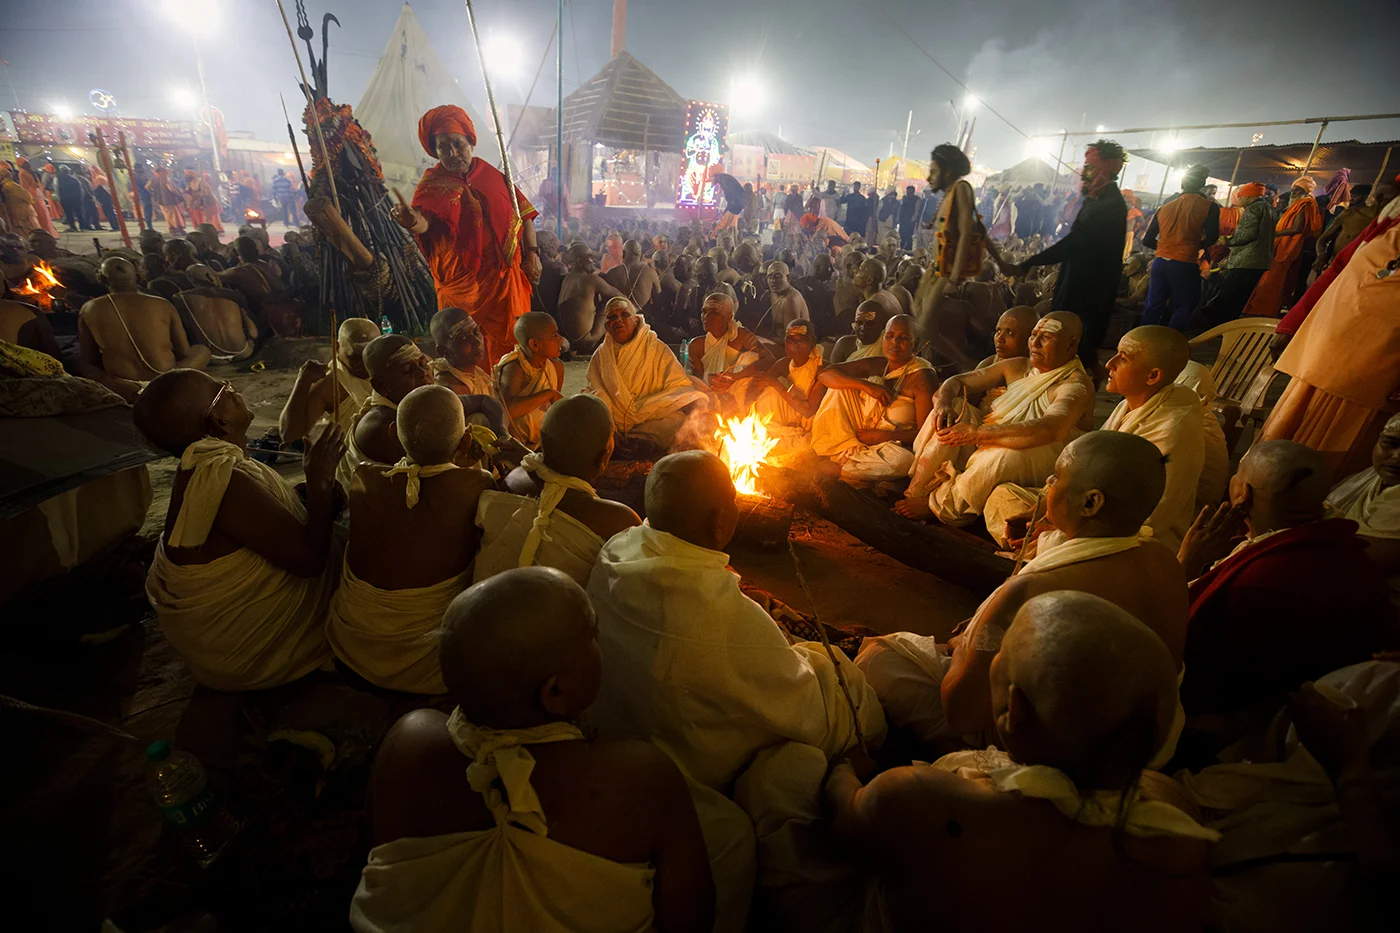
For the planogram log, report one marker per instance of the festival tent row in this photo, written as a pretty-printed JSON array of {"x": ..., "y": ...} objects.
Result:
[{"x": 1280, "y": 165}]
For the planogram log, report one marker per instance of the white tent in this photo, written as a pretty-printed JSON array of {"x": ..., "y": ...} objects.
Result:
[{"x": 410, "y": 80}]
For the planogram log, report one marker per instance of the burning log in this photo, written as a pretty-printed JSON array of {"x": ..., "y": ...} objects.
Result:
[
  {"x": 948, "y": 553},
  {"x": 764, "y": 522},
  {"x": 39, "y": 284}
]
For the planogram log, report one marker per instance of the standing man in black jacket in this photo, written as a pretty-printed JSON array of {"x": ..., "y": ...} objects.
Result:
[{"x": 1091, "y": 254}]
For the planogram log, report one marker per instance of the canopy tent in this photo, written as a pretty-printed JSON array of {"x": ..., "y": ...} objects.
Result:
[
  {"x": 1032, "y": 171},
  {"x": 409, "y": 80},
  {"x": 772, "y": 143},
  {"x": 626, "y": 106},
  {"x": 835, "y": 165},
  {"x": 1281, "y": 165}
]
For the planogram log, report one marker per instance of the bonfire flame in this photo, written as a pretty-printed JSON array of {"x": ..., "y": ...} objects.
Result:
[
  {"x": 43, "y": 272},
  {"x": 744, "y": 445}
]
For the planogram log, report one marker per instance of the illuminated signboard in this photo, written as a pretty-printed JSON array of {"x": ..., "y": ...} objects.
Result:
[{"x": 706, "y": 130}]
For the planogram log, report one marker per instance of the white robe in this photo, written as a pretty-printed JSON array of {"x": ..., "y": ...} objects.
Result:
[
  {"x": 835, "y": 427},
  {"x": 239, "y": 622},
  {"x": 359, "y": 392},
  {"x": 959, "y": 480},
  {"x": 793, "y": 430},
  {"x": 476, "y": 382},
  {"x": 705, "y": 674},
  {"x": 1215, "y": 471},
  {"x": 640, "y": 380},
  {"x": 390, "y": 637},
  {"x": 1374, "y": 507},
  {"x": 526, "y": 428},
  {"x": 1171, "y": 419},
  {"x": 719, "y": 357},
  {"x": 511, "y": 878}
]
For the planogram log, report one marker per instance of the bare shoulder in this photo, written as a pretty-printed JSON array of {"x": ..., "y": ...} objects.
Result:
[
  {"x": 745, "y": 339},
  {"x": 522, "y": 482},
  {"x": 604, "y": 517},
  {"x": 1160, "y": 561},
  {"x": 697, "y": 345},
  {"x": 925, "y": 380},
  {"x": 558, "y": 370}
]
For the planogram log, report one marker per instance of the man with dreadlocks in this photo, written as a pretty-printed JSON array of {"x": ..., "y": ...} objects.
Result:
[{"x": 1091, "y": 255}]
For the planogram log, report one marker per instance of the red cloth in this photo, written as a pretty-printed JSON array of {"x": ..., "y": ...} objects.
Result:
[
  {"x": 1289, "y": 609},
  {"x": 1299, "y": 312},
  {"x": 449, "y": 118},
  {"x": 469, "y": 221}
]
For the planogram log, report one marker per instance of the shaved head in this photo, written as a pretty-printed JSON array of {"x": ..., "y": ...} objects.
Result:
[
  {"x": 1055, "y": 340},
  {"x": 1013, "y": 332},
  {"x": 1022, "y": 316},
  {"x": 1144, "y": 349},
  {"x": 384, "y": 352},
  {"x": 532, "y": 325},
  {"x": 871, "y": 272},
  {"x": 576, "y": 436},
  {"x": 172, "y": 411},
  {"x": 691, "y": 496},
  {"x": 430, "y": 424},
  {"x": 1284, "y": 480},
  {"x": 514, "y": 646},
  {"x": 200, "y": 274},
  {"x": 631, "y": 250},
  {"x": 1118, "y": 478},
  {"x": 357, "y": 330},
  {"x": 1081, "y": 685},
  {"x": 117, "y": 273},
  {"x": 446, "y": 321}
]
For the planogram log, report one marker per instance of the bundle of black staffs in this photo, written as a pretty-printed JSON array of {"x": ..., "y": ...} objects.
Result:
[{"x": 399, "y": 287}]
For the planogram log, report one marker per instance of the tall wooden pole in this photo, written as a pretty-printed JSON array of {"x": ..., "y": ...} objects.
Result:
[
  {"x": 559, "y": 123},
  {"x": 1059, "y": 160},
  {"x": 106, "y": 156},
  {"x": 311, "y": 102},
  {"x": 1234, "y": 172},
  {"x": 1380, "y": 176},
  {"x": 131, "y": 170},
  {"x": 1313, "y": 154},
  {"x": 513, "y": 238}
]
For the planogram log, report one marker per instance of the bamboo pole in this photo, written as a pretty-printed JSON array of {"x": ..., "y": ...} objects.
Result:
[
  {"x": 516, "y": 223},
  {"x": 131, "y": 173},
  {"x": 1230, "y": 192},
  {"x": 1059, "y": 161},
  {"x": 1380, "y": 176},
  {"x": 106, "y": 156},
  {"x": 311, "y": 102},
  {"x": 1313, "y": 154}
]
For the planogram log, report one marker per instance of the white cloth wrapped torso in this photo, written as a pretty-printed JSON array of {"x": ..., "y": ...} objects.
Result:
[
  {"x": 1171, "y": 419},
  {"x": 720, "y": 357},
  {"x": 526, "y": 428},
  {"x": 511, "y": 878},
  {"x": 701, "y": 670},
  {"x": 521, "y": 532},
  {"x": 843, "y": 413},
  {"x": 1376, "y": 508},
  {"x": 358, "y": 392},
  {"x": 475, "y": 382},
  {"x": 640, "y": 380},
  {"x": 239, "y": 622},
  {"x": 390, "y": 637}
]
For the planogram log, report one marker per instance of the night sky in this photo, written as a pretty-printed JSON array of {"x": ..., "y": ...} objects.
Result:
[{"x": 831, "y": 73}]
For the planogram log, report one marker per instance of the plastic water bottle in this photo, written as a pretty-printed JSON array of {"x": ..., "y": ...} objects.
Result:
[
  {"x": 685, "y": 355},
  {"x": 385, "y": 325},
  {"x": 181, "y": 789}
]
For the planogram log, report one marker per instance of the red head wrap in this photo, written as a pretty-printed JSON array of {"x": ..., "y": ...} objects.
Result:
[
  {"x": 1106, "y": 170},
  {"x": 1252, "y": 190},
  {"x": 449, "y": 118}
]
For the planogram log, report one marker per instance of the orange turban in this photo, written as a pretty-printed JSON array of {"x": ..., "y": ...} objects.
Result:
[
  {"x": 449, "y": 118},
  {"x": 1253, "y": 190},
  {"x": 1307, "y": 184}
]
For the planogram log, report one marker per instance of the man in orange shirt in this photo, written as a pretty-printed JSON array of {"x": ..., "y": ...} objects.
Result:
[
  {"x": 1179, "y": 231},
  {"x": 1300, "y": 223}
]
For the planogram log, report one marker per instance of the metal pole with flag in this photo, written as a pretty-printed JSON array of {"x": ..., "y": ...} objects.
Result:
[{"x": 515, "y": 223}]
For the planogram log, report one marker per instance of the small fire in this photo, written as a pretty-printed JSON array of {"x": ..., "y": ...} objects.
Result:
[
  {"x": 744, "y": 445},
  {"x": 46, "y": 281}
]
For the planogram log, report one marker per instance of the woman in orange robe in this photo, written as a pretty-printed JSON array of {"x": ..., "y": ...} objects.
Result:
[
  {"x": 42, "y": 208},
  {"x": 1300, "y": 223},
  {"x": 462, "y": 218},
  {"x": 1345, "y": 363}
]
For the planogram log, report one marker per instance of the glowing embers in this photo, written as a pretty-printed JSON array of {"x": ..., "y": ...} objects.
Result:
[{"x": 744, "y": 445}]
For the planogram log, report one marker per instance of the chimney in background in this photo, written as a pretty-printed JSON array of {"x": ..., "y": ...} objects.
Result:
[{"x": 619, "y": 35}]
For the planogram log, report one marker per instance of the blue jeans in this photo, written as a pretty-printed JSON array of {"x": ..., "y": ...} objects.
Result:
[{"x": 1175, "y": 282}]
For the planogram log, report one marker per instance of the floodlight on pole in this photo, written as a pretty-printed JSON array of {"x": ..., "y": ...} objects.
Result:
[
  {"x": 63, "y": 111},
  {"x": 1100, "y": 128},
  {"x": 198, "y": 17},
  {"x": 503, "y": 55},
  {"x": 747, "y": 95},
  {"x": 970, "y": 102},
  {"x": 184, "y": 98}
]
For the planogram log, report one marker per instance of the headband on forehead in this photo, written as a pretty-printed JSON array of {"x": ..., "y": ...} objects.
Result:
[
  {"x": 466, "y": 327},
  {"x": 800, "y": 327},
  {"x": 865, "y": 315},
  {"x": 406, "y": 354}
]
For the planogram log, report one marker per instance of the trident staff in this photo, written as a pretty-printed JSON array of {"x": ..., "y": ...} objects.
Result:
[{"x": 500, "y": 136}]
